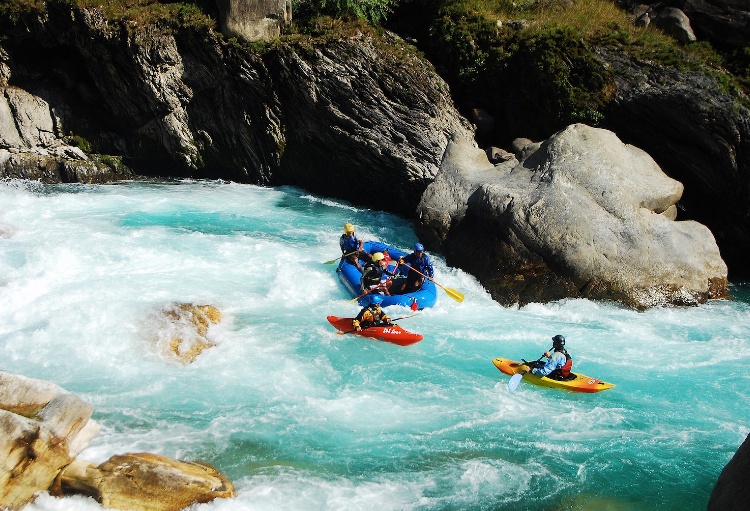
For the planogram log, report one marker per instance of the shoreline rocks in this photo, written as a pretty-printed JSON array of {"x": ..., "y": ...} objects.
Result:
[{"x": 43, "y": 429}]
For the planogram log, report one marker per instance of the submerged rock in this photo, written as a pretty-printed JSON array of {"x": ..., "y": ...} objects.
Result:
[
  {"x": 180, "y": 330},
  {"x": 582, "y": 216}
]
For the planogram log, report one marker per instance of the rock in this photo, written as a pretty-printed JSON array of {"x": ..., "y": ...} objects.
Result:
[
  {"x": 32, "y": 119},
  {"x": 180, "y": 330},
  {"x": 583, "y": 216},
  {"x": 727, "y": 21},
  {"x": 732, "y": 490},
  {"x": 484, "y": 122},
  {"x": 699, "y": 135},
  {"x": 254, "y": 20},
  {"x": 65, "y": 167},
  {"x": 42, "y": 429},
  {"x": 497, "y": 155},
  {"x": 673, "y": 21},
  {"x": 145, "y": 482},
  {"x": 523, "y": 147}
]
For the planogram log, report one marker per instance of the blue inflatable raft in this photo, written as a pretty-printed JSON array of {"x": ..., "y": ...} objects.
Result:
[{"x": 350, "y": 276}]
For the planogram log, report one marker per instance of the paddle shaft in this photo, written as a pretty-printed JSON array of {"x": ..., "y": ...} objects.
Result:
[
  {"x": 459, "y": 297},
  {"x": 342, "y": 255}
]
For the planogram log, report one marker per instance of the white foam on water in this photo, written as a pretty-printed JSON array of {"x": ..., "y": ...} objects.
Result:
[{"x": 300, "y": 417}]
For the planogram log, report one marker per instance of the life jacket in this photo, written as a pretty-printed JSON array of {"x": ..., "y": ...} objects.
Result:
[
  {"x": 565, "y": 369},
  {"x": 563, "y": 373},
  {"x": 369, "y": 316},
  {"x": 371, "y": 275}
]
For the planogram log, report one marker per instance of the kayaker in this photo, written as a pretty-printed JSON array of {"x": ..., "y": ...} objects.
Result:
[
  {"x": 558, "y": 363},
  {"x": 371, "y": 315},
  {"x": 376, "y": 274},
  {"x": 351, "y": 247},
  {"x": 420, "y": 262}
]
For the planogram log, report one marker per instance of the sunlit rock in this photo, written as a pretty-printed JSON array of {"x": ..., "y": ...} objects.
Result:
[
  {"x": 145, "y": 482},
  {"x": 254, "y": 20},
  {"x": 584, "y": 215},
  {"x": 42, "y": 429},
  {"x": 180, "y": 330}
]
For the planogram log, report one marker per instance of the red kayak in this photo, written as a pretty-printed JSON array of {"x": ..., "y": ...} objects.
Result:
[{"x": 393, "y": 333}]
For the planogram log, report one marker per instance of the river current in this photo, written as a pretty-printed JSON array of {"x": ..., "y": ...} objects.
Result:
[{"x": 300, "y": 418}]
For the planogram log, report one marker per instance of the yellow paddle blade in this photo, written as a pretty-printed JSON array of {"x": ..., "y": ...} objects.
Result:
[{"x": 456, "y": 295}]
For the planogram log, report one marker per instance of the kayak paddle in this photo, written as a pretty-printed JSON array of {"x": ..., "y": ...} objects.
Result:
[
  {"x": 456, "y": 295},
  {"x": 514, "y": 381},
  {"x": 339, "y": 257}
]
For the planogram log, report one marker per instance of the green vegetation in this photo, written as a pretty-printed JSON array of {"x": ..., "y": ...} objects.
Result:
[
  {"x": 79, "y": 142},
  {"x": 199, "y": 13}
]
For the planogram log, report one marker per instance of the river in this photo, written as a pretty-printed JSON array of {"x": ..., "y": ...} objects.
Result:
[{"x": 300, "y": 418}]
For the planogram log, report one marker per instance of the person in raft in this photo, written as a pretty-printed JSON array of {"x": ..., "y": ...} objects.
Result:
[
  {"x": 376, "y": 275},
  {"x": 372, "y": 315},
  {"x": 558, "y": 364},
  {"x": 420, "y": 262},
  {"x": 351, "y": 247}
]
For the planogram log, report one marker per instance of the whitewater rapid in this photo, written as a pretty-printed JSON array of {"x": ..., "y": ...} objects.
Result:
[{"x": 299, "y": 417}]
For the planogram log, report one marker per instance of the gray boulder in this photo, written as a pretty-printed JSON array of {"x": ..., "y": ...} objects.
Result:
[
  {"x": 674, "y": 22},
  {"x": 583, "y": 216}
]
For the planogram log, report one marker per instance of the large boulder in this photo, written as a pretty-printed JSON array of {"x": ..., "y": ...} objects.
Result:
[
  {"x": 583, "y": 216},
  {"x": 254, "y": 20},
  {"x": 732, "y": 490},
  {"x": 145, "y": 482},
  {"x": 42, "y": 429}
]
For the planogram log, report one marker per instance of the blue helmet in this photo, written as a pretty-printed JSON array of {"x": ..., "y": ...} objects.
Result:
[
  {"x": 418, "y": 247},
  {"x": 376, "y": 300}
]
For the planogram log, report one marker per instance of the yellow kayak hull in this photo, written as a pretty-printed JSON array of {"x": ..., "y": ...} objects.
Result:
[{"x": 581, "y": 382}]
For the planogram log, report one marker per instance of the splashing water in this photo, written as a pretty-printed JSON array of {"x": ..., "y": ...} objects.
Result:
[{"x": 299, "y": 417}]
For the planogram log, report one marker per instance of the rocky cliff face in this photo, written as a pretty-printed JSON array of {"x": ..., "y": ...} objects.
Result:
[{"x": 183, "y": 102}]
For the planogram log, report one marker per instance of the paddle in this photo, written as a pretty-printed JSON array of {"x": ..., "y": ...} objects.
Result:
[
  {"x": 339, "y": 257},
  {"x": 515, "y": 380},
  {"x": 456, "y": 295},
  {"x": 366, "y": 293}
]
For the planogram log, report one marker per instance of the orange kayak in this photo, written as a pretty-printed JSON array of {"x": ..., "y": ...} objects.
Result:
[
  {"x": 394, "y": 333},
  {"x": 581, "y": 382}
]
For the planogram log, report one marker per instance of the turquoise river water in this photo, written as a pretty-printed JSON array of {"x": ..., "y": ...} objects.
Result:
[{"x": 300, "y": 418}]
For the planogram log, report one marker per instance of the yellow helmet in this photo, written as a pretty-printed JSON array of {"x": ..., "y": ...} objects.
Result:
[
  {"x": 348, "y": 228},
  {"x": 377, "y": 256}
]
